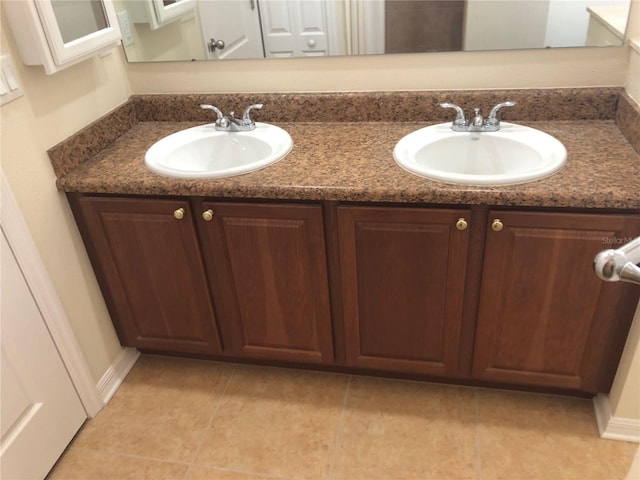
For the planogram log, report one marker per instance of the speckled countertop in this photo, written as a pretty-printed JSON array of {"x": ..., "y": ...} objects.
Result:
[{"x": 352, "y": 161}]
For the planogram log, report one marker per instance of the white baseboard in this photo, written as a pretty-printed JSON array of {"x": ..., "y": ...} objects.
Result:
[
  {"x": 614, "y": 428},
  {"x": 117, "y": 372}
]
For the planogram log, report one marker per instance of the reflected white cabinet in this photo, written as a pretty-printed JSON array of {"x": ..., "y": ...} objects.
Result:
[
  {"x": 158, "y": 13},
  {"x": 60, "y": 33}
]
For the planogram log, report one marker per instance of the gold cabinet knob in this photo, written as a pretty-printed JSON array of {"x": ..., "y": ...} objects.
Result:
[
  {"x": 179, "y": 213},
  {"x": 461, "y": 224},
  {"x": 497, "y": 225},
  {"x": 207, "y": 215}
]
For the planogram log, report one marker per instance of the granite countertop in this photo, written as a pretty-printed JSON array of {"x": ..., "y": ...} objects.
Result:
[
  {"x": 352, "y": 161},
  {"x": 345, "y": 153}
]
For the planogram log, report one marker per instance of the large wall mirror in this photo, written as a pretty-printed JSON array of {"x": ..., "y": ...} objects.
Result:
[{"x": 192, "y": 30}]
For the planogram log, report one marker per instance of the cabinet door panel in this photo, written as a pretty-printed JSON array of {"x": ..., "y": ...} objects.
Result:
[
  {"x": 276, "y": 296},
  {"x": 149, "y": 266},
  {"x": 403, "y": 278},
  {"x": 543, "y": 312}
]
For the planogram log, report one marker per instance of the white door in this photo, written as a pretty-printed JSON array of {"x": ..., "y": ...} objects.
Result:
[
  {"x": 235, "y": 23},
  {"x": 40, "y": 409},
  {"x": 294, "y": 28}
]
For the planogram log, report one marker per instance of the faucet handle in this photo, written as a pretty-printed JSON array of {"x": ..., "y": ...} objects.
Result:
[
  {"x": 460, "y": 120},
  {"x": 246, "y": 116},
  {"x": 221, "y": 120},
  {"x": 493, "y": 115},
  {"x": 216, "y": 110}
]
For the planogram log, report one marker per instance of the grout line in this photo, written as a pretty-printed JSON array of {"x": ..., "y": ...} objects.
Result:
[
  {"x": 210, "y": 422},
  {"x": 339, "y": 428},
  {"x": 266, "y": 476},
  {"x": 132, "y": 455},
  {"x": 189, "y": 465},
  {"x": 478, "y": 449}
]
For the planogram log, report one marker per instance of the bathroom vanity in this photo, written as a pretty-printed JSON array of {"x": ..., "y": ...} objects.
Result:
[{"x": 336, "y": 258}]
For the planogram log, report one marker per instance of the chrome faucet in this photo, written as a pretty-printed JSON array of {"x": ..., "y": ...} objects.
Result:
[
  {"x": 477, "y": 124},
  {"x": 477, "y": 121},
  {"x": 230, "y": 123}
]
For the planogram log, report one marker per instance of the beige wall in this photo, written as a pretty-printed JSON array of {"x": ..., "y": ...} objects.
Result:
[
  {"x": 459, "y": 70},
  {"x": 56, "y": 106},
  {"x": 53, "y": 108},
  {"x": 179, "y": 39},
  {"x": 633, "y": 34},
  {"x": 625, "y": 393},
  {"x": 509, "y": 23}
]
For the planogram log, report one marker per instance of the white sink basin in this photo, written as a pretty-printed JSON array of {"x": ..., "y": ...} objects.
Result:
[
  {"x": 514, "y": 154},
  {"x": 204, "y": 152}
]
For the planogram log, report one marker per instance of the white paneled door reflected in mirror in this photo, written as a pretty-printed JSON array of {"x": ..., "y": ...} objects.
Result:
[{"x": 227, "y": 29}]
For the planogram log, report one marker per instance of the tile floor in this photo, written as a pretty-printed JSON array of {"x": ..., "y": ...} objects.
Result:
[{"x": 194, "y": 420}]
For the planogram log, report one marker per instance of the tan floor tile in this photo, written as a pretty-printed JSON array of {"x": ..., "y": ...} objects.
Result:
[
  {"x": 538, "y": 437},
  {"x": 395, "y": 430},
  {"x": 634, "y": 470},
  {"x": 162, "y": 409},
  {"x": 82, "y": 464},
  {"x": 203, "y": 473},
  {"x": 276, "y": 422}
]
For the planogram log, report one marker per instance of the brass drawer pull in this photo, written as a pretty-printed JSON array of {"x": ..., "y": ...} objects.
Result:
[
  {"x": 462, "y": 224},
  {"x": 179, "y": 213},
  {"x": 207, "y": 215}
]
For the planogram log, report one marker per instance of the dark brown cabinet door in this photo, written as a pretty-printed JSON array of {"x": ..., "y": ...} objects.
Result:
[
  {"x": 150, "y": 270},
  {"x": 268, "y": 263},
  {"x": 403, "y": 272},
  {"x": 544, "y": 317}
]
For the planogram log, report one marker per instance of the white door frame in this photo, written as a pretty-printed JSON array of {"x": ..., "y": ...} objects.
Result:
[
  {"x": 366, "y": 26},
  {"x": 35, "y": 274}
]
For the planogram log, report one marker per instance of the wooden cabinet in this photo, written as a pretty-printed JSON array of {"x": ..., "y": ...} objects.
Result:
[
  {"x": 501, "y": 297},
  {"x": 149, "y": 267},
  {"x": 267, "y": 263},
  {"x": 544, "y": 317},
  {"x": 263, "y": 263},
  {"x": 403, "y": 273}
]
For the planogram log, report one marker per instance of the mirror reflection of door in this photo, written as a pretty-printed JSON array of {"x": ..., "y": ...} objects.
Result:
[
  {"x": 294, "y": 29},
  {"x": 234, "y": 23},
  {"x": 270, "y": 28}
]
